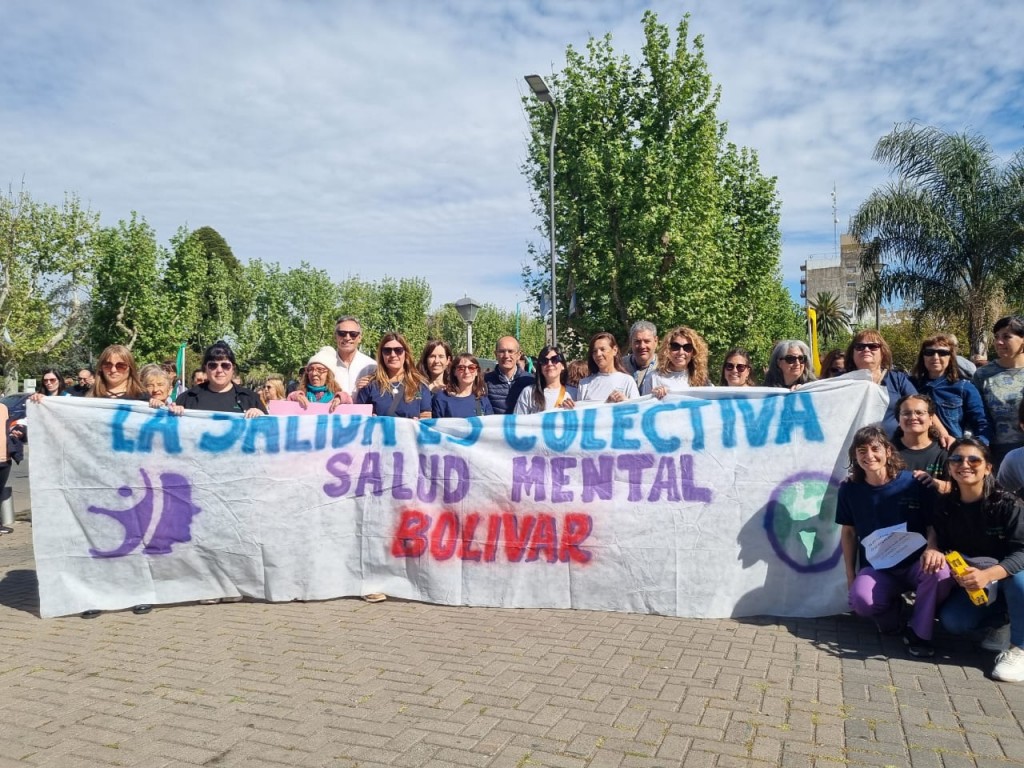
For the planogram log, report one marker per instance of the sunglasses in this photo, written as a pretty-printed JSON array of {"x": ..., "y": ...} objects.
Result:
[
  {"x": 319, "y": 370},
  {"x": 119, "y": 367},
  {"x": 675, "y": 346},
  {"x": 49, "y": 381},
  {"x": 835, "y": 369},
  {"x": 738, "y": 367},
  {"x": 933, "y": 352},
  {"x": 972, "y": 461},
  {"x": 392, "y": 351},
  {"x": 347, "y": 334},
  {"x": 551, "y": 360},
  {"x": 794, "y": 359},
  {"x": 466, "y": 368},
  {"x": 860, "y": 346},
  {"x": 223, "y": 365}
]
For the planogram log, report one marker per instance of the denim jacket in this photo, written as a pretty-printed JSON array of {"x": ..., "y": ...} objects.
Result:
[{"x": 958, "y": 405}]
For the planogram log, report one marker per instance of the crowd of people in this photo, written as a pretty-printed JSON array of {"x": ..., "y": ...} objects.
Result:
[{"x": 946, "y": 462}]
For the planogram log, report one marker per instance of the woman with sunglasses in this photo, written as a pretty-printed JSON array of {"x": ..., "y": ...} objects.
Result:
[
  {"x": 1001, "y": 385},
  {"x": 790, "y": 365},
  {"x": 957, "y": 401},
  {"x": 682, "y": 363},
  {"x": 834, "y": 364},
  {"x": 272, "y": 389},
  {"x": 985, "y": 524},
  {"x": 434, "y": 363},
  {"x": 550, "y": 388},
  {"x": 219, "y": 393},
  {"x": 466, "y": 394},
  {"x": 317, "y": 383},
  {"x": 608, "y": 381},
  {"x": 396, "y": 387},
  {"x": 869, "y": 352},
  {"x": 737, "y": 371},
  {"x": 53, "y": 383},
  {"x": 880, "y": 493},
  {"x": 917, "y": 441}
]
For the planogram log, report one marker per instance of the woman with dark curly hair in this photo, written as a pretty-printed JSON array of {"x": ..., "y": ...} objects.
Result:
[
  {"x": 682, "y": 363},
  {"x": 834, "y": 364},
  {"x": 880, "y": 493}
]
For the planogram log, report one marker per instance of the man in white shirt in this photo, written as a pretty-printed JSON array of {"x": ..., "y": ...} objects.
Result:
[
  {"x": 350, "y": 364},
  {"x": 642, "y": 358}
]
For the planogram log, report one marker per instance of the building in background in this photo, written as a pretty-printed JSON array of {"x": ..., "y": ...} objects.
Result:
[{"x": 841, "y": 277}]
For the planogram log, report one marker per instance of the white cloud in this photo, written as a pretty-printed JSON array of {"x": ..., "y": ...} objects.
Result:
[{"x": 386, "y": 138}]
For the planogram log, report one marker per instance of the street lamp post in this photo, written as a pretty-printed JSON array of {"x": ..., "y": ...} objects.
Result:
[
  {"x": 467, "y": 309},
  {"x": 540, "y": 90}
]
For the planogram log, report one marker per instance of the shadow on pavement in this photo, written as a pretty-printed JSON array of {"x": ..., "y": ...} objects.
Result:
[{"x": 20, "y": 590}]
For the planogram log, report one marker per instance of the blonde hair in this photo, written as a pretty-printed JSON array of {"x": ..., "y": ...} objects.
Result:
[
  {"x": 697, "y": 368},
  {"x": 99, "y": 386}
]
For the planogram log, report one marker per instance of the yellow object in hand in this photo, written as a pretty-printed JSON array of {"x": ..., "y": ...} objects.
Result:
[{"x": 959, "y": 566}]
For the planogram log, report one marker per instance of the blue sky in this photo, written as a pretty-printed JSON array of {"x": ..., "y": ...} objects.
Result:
[{"x": 386, "y": 138}]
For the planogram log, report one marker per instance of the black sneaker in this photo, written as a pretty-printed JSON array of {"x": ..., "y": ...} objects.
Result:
[{"x": 917, "y": 647}]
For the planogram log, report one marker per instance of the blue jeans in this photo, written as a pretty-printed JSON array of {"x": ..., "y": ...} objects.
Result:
[{"x": 958, "y": 615}]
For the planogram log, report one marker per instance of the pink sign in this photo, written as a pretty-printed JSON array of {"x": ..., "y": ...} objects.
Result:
[{"x": 292, "y": 408}]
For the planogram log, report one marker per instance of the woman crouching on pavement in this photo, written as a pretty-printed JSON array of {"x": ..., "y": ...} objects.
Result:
[
  {"x": 985, "y": 524},
  {"x": 878, "y": 494}
]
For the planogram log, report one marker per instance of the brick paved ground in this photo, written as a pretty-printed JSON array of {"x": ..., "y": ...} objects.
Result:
[{"x": 344, "y": 683}]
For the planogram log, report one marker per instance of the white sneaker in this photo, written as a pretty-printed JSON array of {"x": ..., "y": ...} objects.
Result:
[
  {"x": 997, "y": 639},
  {"x": 1010, "y": 665}
]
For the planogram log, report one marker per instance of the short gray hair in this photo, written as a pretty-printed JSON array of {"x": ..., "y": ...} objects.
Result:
[
  {"x": 348, "y": 319},
  {"x": 642, "y": 325}
]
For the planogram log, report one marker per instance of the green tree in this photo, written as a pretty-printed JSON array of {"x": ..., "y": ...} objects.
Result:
[
  {"x": 389, "y": 305},
  {"x": 128, "y": 303},
  {"x": 658, "y": 218},
  {"x": 833, "y": 320},
  {"x": 292, "y": 316},
  {"x": 490, "y": 325},
  {"x": 45, "y": 275},
  {"x": 947, "y": 230}
]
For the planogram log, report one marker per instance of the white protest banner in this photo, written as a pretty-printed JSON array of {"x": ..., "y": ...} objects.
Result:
[{"x": 720, "y": 504}]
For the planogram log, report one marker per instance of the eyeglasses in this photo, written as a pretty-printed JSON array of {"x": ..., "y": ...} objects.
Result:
[
  {"x": 972, "y": 461},
  {"x": 466, "y": 368},
  {"x": 738, "y": 367},
  {"x": 675, "y": 346},
  {"x": 909, "y": 414},
  {"x": 551, "y": 360},
  {"x": 319, "y": 370},
  {"x": 860, "y": 346},
  {"x": 119, "y": 367},
  {"x": 929, "y": 352},
  {"x": 795, "y": 359},
  {"x": 49, "y": 381},
  {"x": 392, "y": 351},
  {"x": 223, "y": 365},
  {"x": 347, "y": 334}
]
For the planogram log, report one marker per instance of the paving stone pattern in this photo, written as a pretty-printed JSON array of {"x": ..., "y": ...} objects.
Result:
[{"x": 346, "y": 683}]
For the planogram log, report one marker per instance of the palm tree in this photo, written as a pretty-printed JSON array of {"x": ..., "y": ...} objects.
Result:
[
  {"x": 945, "y": 236},
  {"x": 833, "y": 320}
]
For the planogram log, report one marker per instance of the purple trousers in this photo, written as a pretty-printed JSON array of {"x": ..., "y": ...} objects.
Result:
[{"x": 877, "y": 594}]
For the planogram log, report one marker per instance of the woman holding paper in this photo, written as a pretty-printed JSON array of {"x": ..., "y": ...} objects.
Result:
[
  {"x": 985, "y": 524},
  {"x": 881, "y": 494}
]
